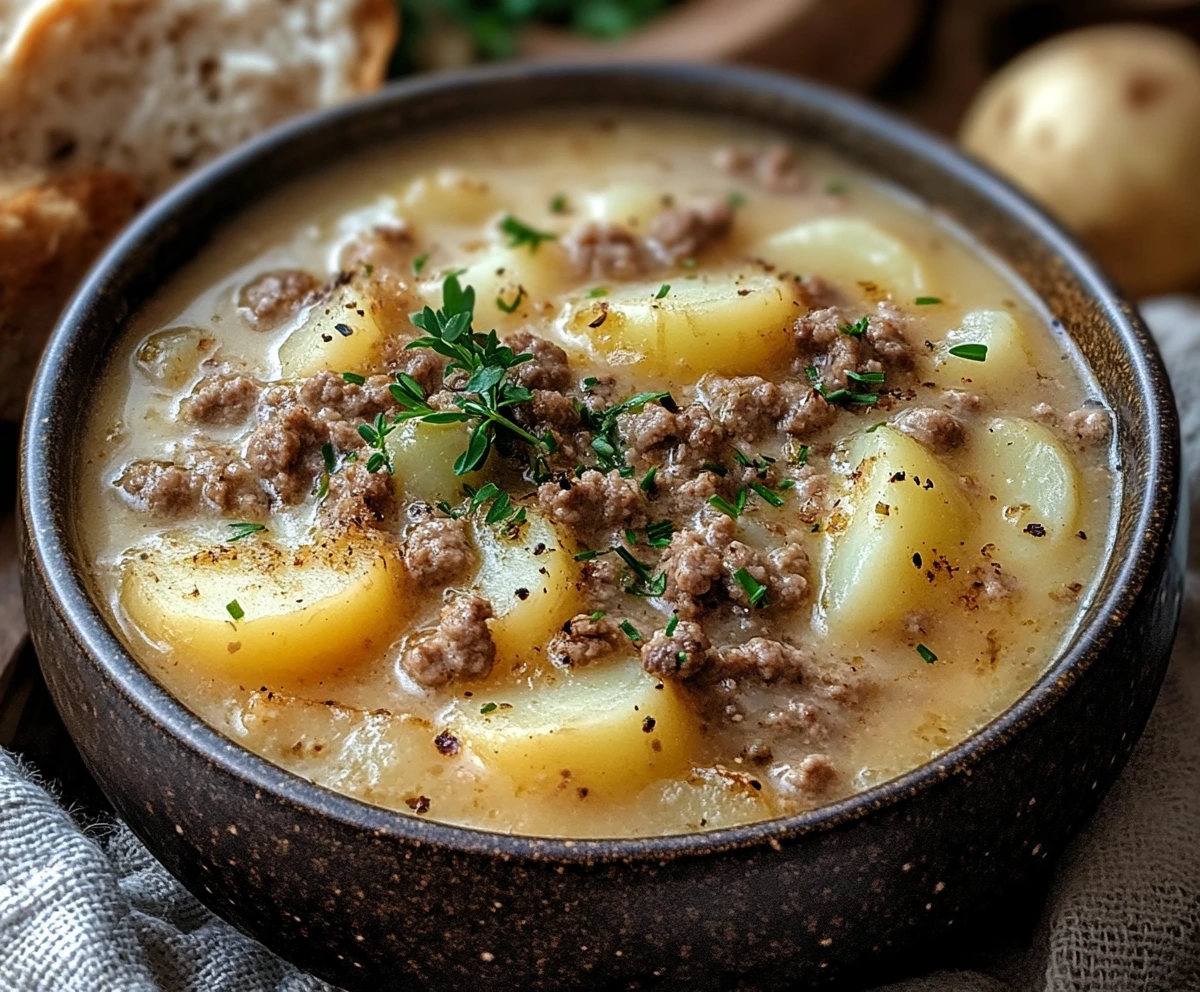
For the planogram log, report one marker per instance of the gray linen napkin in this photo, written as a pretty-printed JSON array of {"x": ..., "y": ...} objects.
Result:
[{"x": 93, "y": 912}]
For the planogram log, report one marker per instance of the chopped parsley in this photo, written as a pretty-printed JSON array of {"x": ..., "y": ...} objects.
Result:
[
  {"x": 520, "y": 234},
  {"x": 597, "y": 615},
  {"x": 865, "y": 378},
  {"x": 597, "y": 292},
  {"x": 663, "y": 290},
  {"x": 630, "y": 631},
  {"x": 971, "y": 352},
  {"x": 418, "y": 263},
  {"x": 558, "y": 203},
  {"x": 235, "y": 609},
  {"x": 802, "y": 454},
  {"x": 755, "y": 590},
  {"x": 671, "y": 624},
  {"x": 716, "y": 469},
  {"x": 238, "y": 531},
  {"x": 927, "y": 301},
  {"x": 926, "y": 655},
  {"x": 354, "y": 378},
  {"x": 487, "y": 708},
  {"x": 511, "y": 307},
  {"x": 647, "y": 483}
]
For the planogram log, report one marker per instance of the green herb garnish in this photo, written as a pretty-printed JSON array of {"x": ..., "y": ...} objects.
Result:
[
  {"x": 487, "y": 708},
  {"x": 754, "y": 589},
  {"x": 511, "y": 307},
  {"x": 603, "y": 423},
  {"x": 663, "y": 290},
  {"x": 647, "y": 483},
  {"x": 597, "y": 292},
  {"x": 927, "y": 301},
  {"x": 488, "y": 390},
  {"x": 658, "y": 533},
  {"x": 558, "y": 203},
  {"x": 766, "y": 493},
  {"x": 645, "y": 582},
  {"x": 857, "y": 329},
  {"x": 630, "y": 631},
  {"x": 866, "y": 378},
  {"x": 732, "y": 510},
  {"x": 522, "y": 234},
  {"x": 926, "y": 655},
  {"x": 354, "y": 378},
  {"x": 736, "y": 199},
  {"x": 671, "y": 624},
  {"x": 376, "y": 436},
  {"x": 418, "y": 263},
  {"x": 971, "y": 352},
  {"x": 235, "y": 609},
  {"x": 598, "y": 615},
  {"x": 238, "y": 531}
]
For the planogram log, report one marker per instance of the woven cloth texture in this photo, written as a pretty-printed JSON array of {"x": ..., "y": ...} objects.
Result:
[{"x": 93, "y": 912}]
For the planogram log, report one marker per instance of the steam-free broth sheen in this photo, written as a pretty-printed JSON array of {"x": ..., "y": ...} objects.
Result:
[{"x": 769, "y": 487}]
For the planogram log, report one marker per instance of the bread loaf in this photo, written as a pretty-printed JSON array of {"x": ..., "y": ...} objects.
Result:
[{"x": 105, "y": 103}]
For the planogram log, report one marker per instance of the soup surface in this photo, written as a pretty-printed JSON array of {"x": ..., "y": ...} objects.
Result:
[{"x": 767, "y": 486}]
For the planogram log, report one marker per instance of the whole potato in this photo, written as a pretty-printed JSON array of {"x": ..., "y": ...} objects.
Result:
[{"x": 1103, "y": 127}]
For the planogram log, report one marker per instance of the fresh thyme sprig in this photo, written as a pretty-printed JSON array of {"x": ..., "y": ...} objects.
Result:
[
  {"x": 488, "y": 390},
  {"x": 376, "y": 437}
]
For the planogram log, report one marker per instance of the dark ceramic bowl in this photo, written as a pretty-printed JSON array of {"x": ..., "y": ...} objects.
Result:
[{"x": 373, "y": 899}]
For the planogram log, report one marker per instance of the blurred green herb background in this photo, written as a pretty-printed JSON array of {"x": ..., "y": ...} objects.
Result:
[{"x": 442, "y": 33}]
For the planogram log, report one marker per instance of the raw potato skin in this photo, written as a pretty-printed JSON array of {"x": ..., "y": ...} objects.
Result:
[{"x": 1103, "y": 127}]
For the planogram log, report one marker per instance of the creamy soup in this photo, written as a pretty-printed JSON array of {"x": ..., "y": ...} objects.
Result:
[{"x": 596, "y": 477}]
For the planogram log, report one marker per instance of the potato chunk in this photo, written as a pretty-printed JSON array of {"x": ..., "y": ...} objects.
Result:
[
  {"x": 1034, "y": 481},
  {"x": 448, "y": 196},
  {"x": 631, "y": 205},
  {"x": 261, "y": 612},
  {"x": 341, "y": 333},
  {"x": 378, "y": 756},
  {"x": 532, "y": 583},
  {"x": 904, "y": 518},
  {"x": 423, "y": 456},
  {"x": 1007, "y": 357},
  {"x": 728, "y": 323},
  {"x": 608, "y": 728},
  {"x": 503, "y": 274},
  {"x": 849, "y": 251}
]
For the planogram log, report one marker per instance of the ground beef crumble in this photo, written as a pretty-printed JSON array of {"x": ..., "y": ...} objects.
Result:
[
  {"x": 600, "y": 250},
  {"x": 679, "y": 654},
  {"x": 459, "y": 650},
  {"x": 937, "y": 430},
  {"x": 680, "y": 233},
  {"x": 275, "y": 297},
  {"x": 437, "y": 550},
  {"x": 593, "y": 501},
  {"x": 583, "y": 639}
]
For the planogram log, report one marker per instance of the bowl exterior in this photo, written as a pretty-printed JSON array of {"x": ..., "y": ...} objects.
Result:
[{"x": 368, "y": 898}]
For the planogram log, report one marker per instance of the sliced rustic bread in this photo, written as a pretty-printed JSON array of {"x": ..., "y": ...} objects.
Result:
[{"x": 104, "y": 103}]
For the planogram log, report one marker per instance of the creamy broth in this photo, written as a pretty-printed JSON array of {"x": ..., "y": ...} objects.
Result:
[{"x": 861, "y": 523}]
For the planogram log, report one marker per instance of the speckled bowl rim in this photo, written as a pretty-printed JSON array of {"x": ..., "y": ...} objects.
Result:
[{"x": 47, "y": 516}]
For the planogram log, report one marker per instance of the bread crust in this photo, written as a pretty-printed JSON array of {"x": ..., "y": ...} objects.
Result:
[
  {"x": 49, "y": 235},
  {"x": 378, "y": 27},
  {"x": 76, "y": 160}
]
